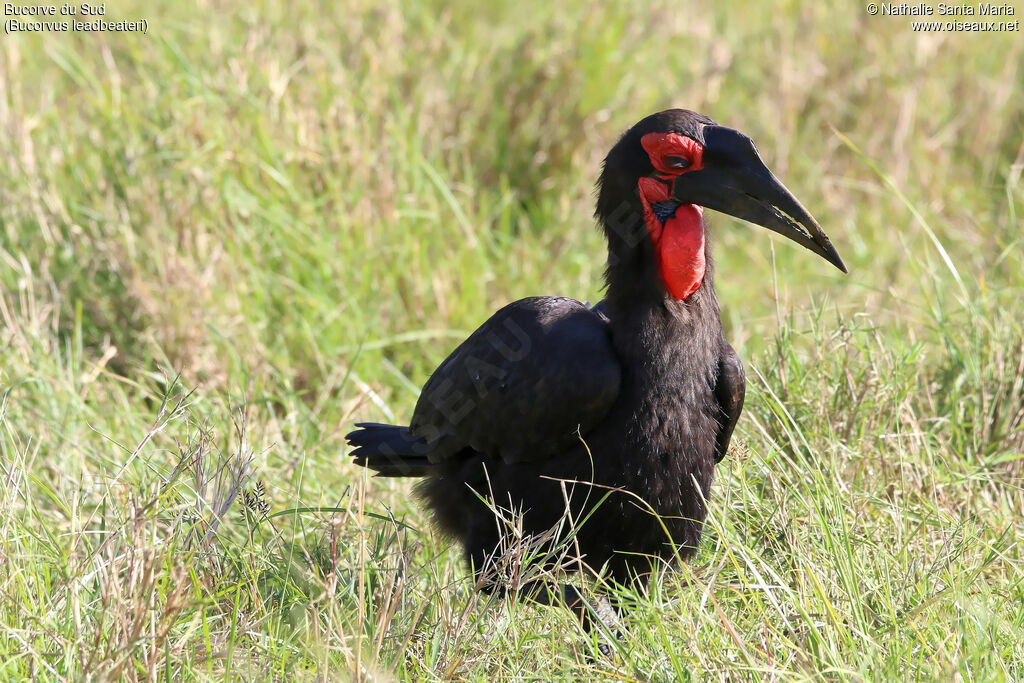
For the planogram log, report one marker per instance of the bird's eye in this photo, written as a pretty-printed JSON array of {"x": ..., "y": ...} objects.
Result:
[{"x": 672, "y": 153}]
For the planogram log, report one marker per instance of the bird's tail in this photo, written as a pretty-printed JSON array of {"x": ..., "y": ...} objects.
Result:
[{"x": 389, "y": 450}]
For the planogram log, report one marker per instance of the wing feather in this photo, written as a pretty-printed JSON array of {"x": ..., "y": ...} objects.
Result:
[
  {"x": 729, "y": 392},
  {"x": 523, "y": 386}
]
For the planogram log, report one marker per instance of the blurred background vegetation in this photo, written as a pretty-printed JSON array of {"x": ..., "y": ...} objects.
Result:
[{"x": 224, "y": 241}]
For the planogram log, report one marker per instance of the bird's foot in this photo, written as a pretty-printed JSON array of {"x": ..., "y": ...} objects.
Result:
[{"x": 598, "y": 614}]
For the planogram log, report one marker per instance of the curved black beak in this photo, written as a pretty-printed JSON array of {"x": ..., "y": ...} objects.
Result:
[{"x": 734, "y": 180}]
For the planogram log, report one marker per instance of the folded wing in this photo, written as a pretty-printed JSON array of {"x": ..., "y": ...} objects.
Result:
[{"x": 523, "y": 387}]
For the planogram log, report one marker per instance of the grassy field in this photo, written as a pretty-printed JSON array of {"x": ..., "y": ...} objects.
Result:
[{"x": 226, "y": 240}]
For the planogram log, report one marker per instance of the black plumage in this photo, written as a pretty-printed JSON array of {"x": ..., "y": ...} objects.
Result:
[{"x": 622, "y": 409}]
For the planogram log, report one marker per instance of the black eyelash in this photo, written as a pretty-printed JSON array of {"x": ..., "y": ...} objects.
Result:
[{"x": 677, "y": 162}]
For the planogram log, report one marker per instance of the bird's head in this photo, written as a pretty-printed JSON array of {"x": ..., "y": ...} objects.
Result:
[{"x": 670, "y": 166}]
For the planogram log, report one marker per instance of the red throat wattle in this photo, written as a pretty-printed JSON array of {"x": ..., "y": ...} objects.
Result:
[
  {"x": 678, "y": 243},
  {"x": 679, "y": 240}
]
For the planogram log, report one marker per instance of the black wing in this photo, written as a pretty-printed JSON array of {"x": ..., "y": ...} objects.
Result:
[
  {"x": 729, "y": 391},
  {"x": 523, "y": 385}
]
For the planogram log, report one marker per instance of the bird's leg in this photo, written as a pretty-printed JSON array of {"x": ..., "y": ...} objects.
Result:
[{"x": 590, "y": 615}]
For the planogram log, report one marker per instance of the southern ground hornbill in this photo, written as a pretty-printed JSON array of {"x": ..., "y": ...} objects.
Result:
[{"x": 606, "y": 420}]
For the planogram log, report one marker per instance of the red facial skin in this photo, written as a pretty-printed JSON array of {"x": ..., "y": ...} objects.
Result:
[{"x": 679, "y": 243}]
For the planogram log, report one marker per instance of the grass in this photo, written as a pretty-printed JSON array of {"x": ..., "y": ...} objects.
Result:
[{"x": 224, "y": 241}]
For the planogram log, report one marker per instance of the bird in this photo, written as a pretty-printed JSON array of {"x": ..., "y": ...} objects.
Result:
[{"x": 600, "y": 427}]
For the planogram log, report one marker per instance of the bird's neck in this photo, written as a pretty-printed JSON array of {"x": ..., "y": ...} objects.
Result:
[
  {"x": 650, "y": 326},
  {"x": 659, "y": 263}
]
